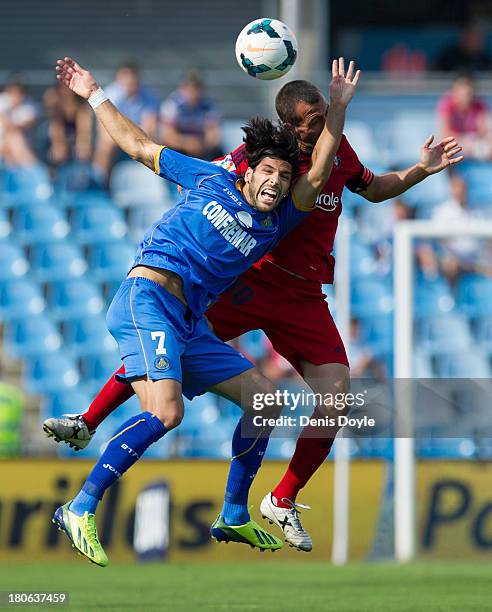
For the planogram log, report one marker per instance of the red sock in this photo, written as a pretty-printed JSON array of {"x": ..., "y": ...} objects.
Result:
[
  {"x": 112, "y": 395},
  {"x": 309, "y": 455}
]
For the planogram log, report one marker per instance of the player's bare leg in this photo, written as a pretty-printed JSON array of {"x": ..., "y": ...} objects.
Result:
[{"x": 312, "y": 448}]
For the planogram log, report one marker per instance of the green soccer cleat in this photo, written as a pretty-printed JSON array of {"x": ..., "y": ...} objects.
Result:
[
  {"x": 82, "y": 532},
  {"x": 249, "y": 533}
]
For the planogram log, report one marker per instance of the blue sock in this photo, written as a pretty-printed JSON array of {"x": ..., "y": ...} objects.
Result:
[
  {"x": 125, "y": 448},
  {"x": 247, "y": 455}
]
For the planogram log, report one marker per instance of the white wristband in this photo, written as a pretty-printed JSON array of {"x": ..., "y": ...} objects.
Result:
[{"x": 97, "y": 98}]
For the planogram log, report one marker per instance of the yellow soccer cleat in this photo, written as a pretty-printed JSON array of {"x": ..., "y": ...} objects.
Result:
[{"x": 82, "y": 532}]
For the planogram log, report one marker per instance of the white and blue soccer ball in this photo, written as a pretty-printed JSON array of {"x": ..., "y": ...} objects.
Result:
[{"x": 266, "y": 49}]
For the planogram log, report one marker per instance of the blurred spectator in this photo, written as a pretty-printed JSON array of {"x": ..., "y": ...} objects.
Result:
[
  {"x": 461, "y": 254},
  {"x": 399, "y": 60},
  {"x": 398, "y": 211},
  {"x": 363, "y": 364},
  {"x": 465, "y": 116},
  {"x": 190, "y": 121},
  {"x": 137, "y": 102},
  {"x": 69, "y": 126},
  {"x": 18, "y": 115},
  {"x": 468, "y": 54}
]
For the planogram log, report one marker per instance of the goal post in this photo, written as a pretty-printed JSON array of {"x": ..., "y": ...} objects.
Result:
[{"x": 404, "y": 447}]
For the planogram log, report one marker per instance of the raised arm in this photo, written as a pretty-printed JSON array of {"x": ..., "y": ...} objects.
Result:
[
  {"x": 342, "y": 88},
  {"x": 126, "y": 134}
]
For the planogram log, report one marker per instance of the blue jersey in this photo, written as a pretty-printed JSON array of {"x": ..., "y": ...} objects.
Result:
[{"x": 212, "y": 235}]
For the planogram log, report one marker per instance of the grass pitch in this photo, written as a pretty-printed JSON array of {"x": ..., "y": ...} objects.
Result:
[{"x": 248, "y": 587}]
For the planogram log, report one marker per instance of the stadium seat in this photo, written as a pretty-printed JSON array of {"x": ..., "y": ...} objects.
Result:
[
  {"x": 57, "y": 261},
  {"x": 474, "y": 295},
  {"x": 132, "y": 184},
  {"x": 479, "y": 186},
  {"x": 140, "y": 219},
  {"x": 111, "y": 261},
  {"x": 482, "y": 331},
  {"x": 98, "y": 224},
  {"x": 421, "y": 365},
  {"x": 51, "y": 373},
  {"x": 73, "y": 401},
  {"x": 428, "y": 194},
  {"x": 361, "y": 139},
  {"x": 13, "y": 264},
  {"x": 19, "y": 299},
  {"x": 5, "y": 227},
  {"x": 88, "y": 199},
  {"x": 442, "y": 334},
  {"x": 39, "y": 223},
  {"x": 432, "y": 296},
  {"x": 88, "y": 336},
  {"x": 96, "y": 369},
  {"x": 377, "y": 333},
  {"x": 73, "y": 178},
  {"x": 31, "y": 337},
  {"x": 362, "y": 262},
  {"x": 409, "y": 130},
  {"x": 371, "y": 297},
  {"x": 463, "y": 364},
  {"x": 74, "y": 299},
  {"x": 28, "y": 183}
]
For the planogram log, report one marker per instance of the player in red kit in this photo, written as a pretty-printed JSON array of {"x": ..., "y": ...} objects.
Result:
[{"x": 282, "y": 295}]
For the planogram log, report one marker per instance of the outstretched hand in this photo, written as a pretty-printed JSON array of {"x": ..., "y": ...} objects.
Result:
[
  {"x": 342, "y": 86},
  {"x": 436, "y": 158},
  {"x": 74, "y": 77}
]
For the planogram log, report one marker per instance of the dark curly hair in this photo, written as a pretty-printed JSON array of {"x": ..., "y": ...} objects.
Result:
[{"x": 265, "y": 139}]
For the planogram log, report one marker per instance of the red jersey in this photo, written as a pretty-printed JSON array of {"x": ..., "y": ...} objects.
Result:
[{"x": 306, "y": 250}]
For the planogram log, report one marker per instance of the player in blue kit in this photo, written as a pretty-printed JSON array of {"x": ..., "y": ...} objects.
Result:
[{"x": 218, "y": 229}]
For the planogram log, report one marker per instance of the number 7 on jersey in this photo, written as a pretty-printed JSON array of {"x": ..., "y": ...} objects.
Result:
[{"x": 160, "y": 336}]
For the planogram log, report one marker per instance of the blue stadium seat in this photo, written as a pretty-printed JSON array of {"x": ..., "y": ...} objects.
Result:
[
  {"x": 19, "y": 299},
  {"x": 88, "y": 336},
  {"x": 111, "y": 261},
  {"x": 443, "y": 334},
  {"x": 253, "y": 344},
  {"x": 5, "y": 227},
  {"x": 57, "y": 261},
  {"x": 73, "y": 401},
  {"x": 362, "y": 261},
  {"x": 51, "y": 373},
  {"x": 377, "y": 333},
  {"x": 409, "y": 130},
  {"x": 13, "y": 264},
  {"x": 371, "y": 297},
  {"x": 98, "y": 224},
  {"x": 477, "y": 176},
  {"x": 361, "y": 138},
  {"x": 132, "y": 184},
  {"x": 31, "y": 337},
  {"x": 96, "y": 369},
  {"x": 475, "y": 295},
  {"x": 39, "y": 223},
  {"x": 421, "y": 365},
  {"x": 141, "y": 218},
  {"x": 28, "y": 183},
  {"x": 73, "y": 178},
  {"x": 88, "y": 199},
  {"x": 482, "y": 331},
  {"x": 432, "y": 296},
  {"x": 429, "y": 193},
  {"x": 74, "y": 299},
  {"x": 463, "y": 364}
]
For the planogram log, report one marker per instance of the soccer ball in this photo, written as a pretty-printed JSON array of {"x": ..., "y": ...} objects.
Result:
[{"x": 266, "y": 49}]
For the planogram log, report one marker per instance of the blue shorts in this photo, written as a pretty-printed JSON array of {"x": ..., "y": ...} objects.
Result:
[{"x": 159, "y": 338}]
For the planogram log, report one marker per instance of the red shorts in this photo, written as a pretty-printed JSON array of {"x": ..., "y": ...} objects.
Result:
[{"x": 292, "y": 312}]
